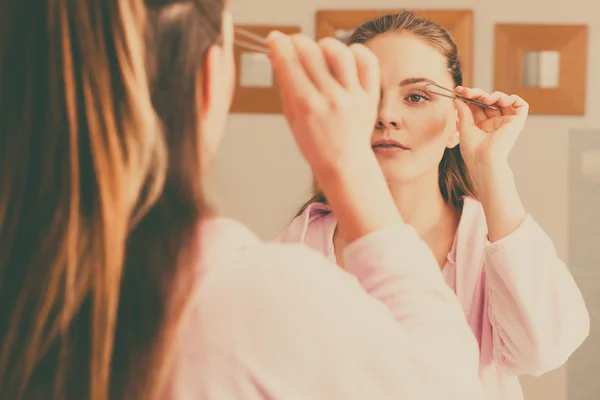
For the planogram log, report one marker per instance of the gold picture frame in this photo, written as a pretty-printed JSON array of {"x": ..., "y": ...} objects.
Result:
[
  {"x": 569, "y": 43},
  {"x": 331, "y": 23},
  {"x": 257, "y": 100}
]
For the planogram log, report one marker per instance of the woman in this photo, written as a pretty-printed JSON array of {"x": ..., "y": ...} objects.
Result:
[
  {"x": 518, "y": 297},
  {"x": 104, "y": 297},
  {"x": 249, "y": 320},
  {"x": 81, "y": 158}
]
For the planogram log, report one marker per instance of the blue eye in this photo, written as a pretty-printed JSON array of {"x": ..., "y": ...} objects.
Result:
[{"x": 416, "y": 98}]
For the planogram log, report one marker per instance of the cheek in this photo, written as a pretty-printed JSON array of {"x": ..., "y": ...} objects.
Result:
[{"x": 429, "y": 126}]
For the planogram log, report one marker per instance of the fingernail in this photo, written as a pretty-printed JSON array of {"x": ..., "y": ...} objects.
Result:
[
  {"x": 459, "y": 88},
  {"x": 274, "y": 35}
]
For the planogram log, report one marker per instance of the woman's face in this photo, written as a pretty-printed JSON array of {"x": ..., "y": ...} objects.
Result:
[
  {"x": 422, "y": 124},
  {"x": 219, "y": 85}
]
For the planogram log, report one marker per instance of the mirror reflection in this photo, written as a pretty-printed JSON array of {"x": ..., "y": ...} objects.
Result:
[
  {"x": 541, "y": 69},
  {"x": 255, "y": 70}
]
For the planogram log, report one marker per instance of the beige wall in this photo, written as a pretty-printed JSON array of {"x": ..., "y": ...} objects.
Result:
[{"x": 260, "y": 179}]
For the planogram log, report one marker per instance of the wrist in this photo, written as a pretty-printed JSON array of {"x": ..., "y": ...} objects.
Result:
[
  {"x": 488, "y": 177},
  {"x": 348, "y": 172},
  {"x": 497, "y": 191},
  {"x": 359, "y": 196}
]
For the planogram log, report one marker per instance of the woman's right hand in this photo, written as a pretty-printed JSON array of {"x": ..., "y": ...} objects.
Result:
[{"x": 330, "y": 94}]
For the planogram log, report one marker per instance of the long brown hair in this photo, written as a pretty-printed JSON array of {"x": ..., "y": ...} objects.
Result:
[
  {"x": 454, "y": 179},
  {"x": 81, "y": 159},
  {"x": 163, "y": 249}
]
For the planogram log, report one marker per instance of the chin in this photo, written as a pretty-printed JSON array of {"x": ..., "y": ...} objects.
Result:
[
  {"x": 397, "y": 171},
  {"x": 399, "y": 176}
]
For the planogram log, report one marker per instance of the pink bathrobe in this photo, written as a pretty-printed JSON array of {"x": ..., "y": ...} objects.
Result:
[
  {"x": 274, "y": 321},
  {"x": 518, "y": 297}
]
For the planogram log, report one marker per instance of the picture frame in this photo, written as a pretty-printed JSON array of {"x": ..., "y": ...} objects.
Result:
[
  {"x": 262, "y": 96},
  {"x": 339, "y": 23},
  {"x": 529, "y": 51}
]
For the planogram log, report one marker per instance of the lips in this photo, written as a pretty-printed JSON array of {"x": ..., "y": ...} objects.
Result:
[{"x": 389, "y": 144}]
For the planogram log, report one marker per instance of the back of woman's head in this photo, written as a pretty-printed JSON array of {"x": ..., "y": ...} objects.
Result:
[
  {"x": 81, "y": 159},
  {"x": 454, "y": 179},
  {"x": 181, "y": 32},
  {"x": 162, "y": 251}
]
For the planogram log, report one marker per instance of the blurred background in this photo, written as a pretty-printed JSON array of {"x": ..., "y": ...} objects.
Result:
[{"x": 260, "y": 178}]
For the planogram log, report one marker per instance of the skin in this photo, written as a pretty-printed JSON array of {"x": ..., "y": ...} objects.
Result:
[{"x": 428, "y": 124}]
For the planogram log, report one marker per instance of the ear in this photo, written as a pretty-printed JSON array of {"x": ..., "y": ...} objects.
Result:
[
  {"x": 454, "y": 138},
  {"x": 208, "y": 78},
  {"x": 457, "y": 121}
]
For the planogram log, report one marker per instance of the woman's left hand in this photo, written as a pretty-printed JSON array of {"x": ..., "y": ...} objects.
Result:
[{"x": 486, "y": 135}]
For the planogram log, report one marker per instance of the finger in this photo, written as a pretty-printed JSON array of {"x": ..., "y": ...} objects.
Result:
[
  {"x": 479, "y": 113},
  {"x": 471, "y": 93},
  {"x": 479, "y": 95},
  {"x": 513, "y": 105},
  {"x": 495, "y": 97},
  {"x": 312, "y": 59},
  {"x": 290, "y": 76},
  {"x": 287, "y": 102},
  {"x": 466, "y": 119},
  {"x": 521, "y": 106},
  {"x": 498, "y": 99},
  {"x": 341, "y": 62},
  {"x": 514, "y": 126},
  {"x": 492, "y": 100},
  {"x": 484, "y": 97},
  {"x": 521, "y": 110},
  {"x": 367, "y": 65}
]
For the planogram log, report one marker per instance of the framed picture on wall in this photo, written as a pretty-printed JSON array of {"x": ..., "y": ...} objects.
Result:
[
  {"x": 341, "y": 23},
  {"x": 545, "y": 64},
  {"x": 256, "y": 91}
]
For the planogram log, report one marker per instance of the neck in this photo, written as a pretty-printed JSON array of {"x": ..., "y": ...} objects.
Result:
[{"x": 420, "y": 203}]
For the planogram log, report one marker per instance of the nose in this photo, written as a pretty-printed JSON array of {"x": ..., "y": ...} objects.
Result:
[
  {"x": 383, "y": 123},
  {"x": 387, "y": 118}
]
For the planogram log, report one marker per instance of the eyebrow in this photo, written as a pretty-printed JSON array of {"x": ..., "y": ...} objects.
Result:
[{"x": 412, "y": 81}]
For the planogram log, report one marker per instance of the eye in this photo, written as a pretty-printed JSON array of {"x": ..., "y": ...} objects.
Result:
[{"x": 416, "y": 98}]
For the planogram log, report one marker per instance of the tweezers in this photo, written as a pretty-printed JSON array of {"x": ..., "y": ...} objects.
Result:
[
  {"x": 451, "y": 94},
  {"x": 259, "y": 46}
]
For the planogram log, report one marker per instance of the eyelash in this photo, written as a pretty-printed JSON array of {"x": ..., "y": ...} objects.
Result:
[{"x": 421, "y": 96}]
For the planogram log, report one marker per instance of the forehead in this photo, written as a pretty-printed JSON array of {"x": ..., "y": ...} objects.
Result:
[{"x": 404, "y": 55}]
